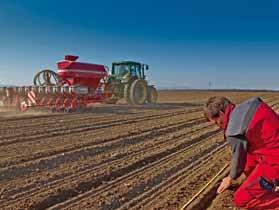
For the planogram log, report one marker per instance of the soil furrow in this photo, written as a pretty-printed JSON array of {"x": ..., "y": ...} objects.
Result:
[
  {"x": 56, "y": 145},
  {"x": 54, "y": 161},
  {"x": 154, "y": 143},
  {"x": 177, "y": 194},
  {"x": 76, "y": 128},
  {"x": 152, "y": 168},
  {"x": 115, "y": 157},
  {"x": 167, "y": 180},
  {"x": 108, "y": 175},
  {"x": 143, "y": 161}
]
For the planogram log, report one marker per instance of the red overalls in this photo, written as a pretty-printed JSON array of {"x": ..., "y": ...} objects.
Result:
[{"x": 262, "y": 160}]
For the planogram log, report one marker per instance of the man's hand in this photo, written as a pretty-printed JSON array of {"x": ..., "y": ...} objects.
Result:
[{"x": 226, "y": 183}]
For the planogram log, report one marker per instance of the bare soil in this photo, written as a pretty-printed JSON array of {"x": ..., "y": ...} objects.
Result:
[{"x": 115, "y": 156}]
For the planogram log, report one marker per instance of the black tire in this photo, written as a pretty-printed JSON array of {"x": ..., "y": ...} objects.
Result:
[
  {"x": 152, "y": 95},
  {"x": 126, "y": 94},
  {"x": 138, "y": 92}
]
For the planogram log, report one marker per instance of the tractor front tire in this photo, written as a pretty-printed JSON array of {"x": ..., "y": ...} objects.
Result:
[
  {"x": 138, "y": 92},
  {"x": 152, "y": 95}
]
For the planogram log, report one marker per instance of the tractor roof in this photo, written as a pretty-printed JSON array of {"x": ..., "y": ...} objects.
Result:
[{"x": 126, "y": 62}]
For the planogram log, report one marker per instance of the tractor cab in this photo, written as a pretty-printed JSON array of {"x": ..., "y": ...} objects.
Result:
[
  {"x": 130, "y": 69},
  {"x": 127, "y": 80}
]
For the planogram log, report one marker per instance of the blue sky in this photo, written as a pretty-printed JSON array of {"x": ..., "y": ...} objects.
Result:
[{"x": 233, "y": 44}]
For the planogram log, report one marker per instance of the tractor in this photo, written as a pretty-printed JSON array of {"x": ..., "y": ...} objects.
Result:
[
  {"x": 76, "y": 85},
  {"x": 127, "y": 80}
]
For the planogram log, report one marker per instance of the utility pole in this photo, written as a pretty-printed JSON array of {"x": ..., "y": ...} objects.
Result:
[{"x": 209, "y": 85}]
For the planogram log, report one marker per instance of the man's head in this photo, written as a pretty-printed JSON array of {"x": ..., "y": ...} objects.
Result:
[{"x": 214, "y": 109}]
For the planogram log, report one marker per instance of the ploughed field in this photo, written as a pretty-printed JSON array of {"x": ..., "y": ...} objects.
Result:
[{"x": 115, "y": 156}]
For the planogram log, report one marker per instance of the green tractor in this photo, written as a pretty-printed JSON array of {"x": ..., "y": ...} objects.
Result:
[{"x": 127, "y": 80}]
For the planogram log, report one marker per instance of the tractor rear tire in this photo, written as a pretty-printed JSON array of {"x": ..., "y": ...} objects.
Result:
[
  {"x": 127, "y": 97},
  {"x": 138, "y": 92},
  {"x": 152, "y": 95}
]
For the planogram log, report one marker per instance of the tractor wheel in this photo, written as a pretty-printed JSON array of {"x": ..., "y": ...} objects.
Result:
[
  {"x": 126, "y": 94},
  {"x": 152, "y": 95},
  {"x": 46, "y": 78},
  {"x": 138, "y": 91}
]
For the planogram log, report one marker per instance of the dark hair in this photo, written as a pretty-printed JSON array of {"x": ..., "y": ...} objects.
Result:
[{"x": 214, "y": 105}]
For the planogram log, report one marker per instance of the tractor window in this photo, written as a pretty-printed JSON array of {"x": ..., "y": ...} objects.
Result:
[
  {"x": 121, "y": 69},
  {"x": 135, "y": 71}
]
